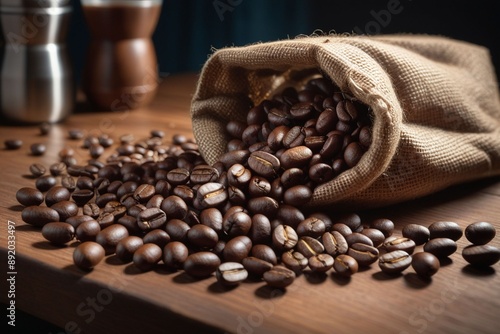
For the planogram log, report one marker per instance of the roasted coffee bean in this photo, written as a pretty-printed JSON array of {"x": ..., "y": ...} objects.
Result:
[
  {"x": 105, "y": 140},
  {"x": 212, "y": 218},
  {"x": 441, "y": 247},
  {"x": 75, "y": 221},
  {"x": 399, "y": 243},
  {"x": 134, "y": 210},
  {"x": 292, "y": 177},
  {"x": 296, "y": 157},
  {"x": 66, "y": 152},
  {"x": 56, "y": 194},
  {"x": 394, "y": 262},
  {"x": 130, "y": 224},
  {"x": 126, "y": 248},
  {"x": 332, "y": 146},
  {"x": 105, "y": 219},
  {"x": 37, "y": 169},
  {"x": 309, "y": 246},
  {"x": 88, "y": 254},
  {"x": 85, "y": 182},
  {"x": 151, "y": 218},
  {"x": 376, "y": 236},
  {"x": 155, "y": 201},
  {"x": 251, "y": 134},
  {"x": 231, "y": 273},
  {"x": 302, "y": 111},
  {"x": 445, "y": 229},
  {"x": 311, "y": 227},
  {"x": 279, "y": 277},
  {"x": 480, "y": 233},
  {"x": 294, "y": 137},
  {"x": 128, "y": 187},
  {"x": 264, "y": 164},
  {"x": 13, "y": 144},
  {"x": 342, "y": 229},
  {"x": 425, "y": 264},
  {"x": 284, "y": 237},
  {"x": 239, "y": 176},
  {"x": 363, "y": 254},
  {"x": 236, "y": 196},
  {"x": 57, "y": 168},
  {"x": 277, "y": 190},
  {"x": 91, "y": 209},
  {"x": 297, "y": 195},
  {"x": 117, "y": 209},
  {"x": 147, "y": 256},
  {"x": 321, "y": 173},
  {"x": 323, "y": 217},
  {"x": 162, "y": 187},
  {"x": 104, "y": 199},
  {"x": 174, "y": 207},
  {"x": 157, "y": 236},
  {"x": 202, "y": 236},
  {"x": 418, "y": 233},
  {"x": 29, "y": 196},
  {"x": 263, "y": 205},
  {"x": 334, "y": 243},
  {"x": 352, "y": 220},
  {"x": 109, "y": 237},
  {"x": 201, "y": 264},
  {"x": 86, "y": 230},
  {"x": 175, "y": 254},
  {"x": 38, "y": 149},
  {"x": 45, "y": 128},
  {"x": 321, "y": 263},
  {"x": 58, "y": 233},
  {"x": 177, "y": 229},
  {"x": 255, "y": 266},
  {"x": 258, "y": 186},
  {"x": 237, "y": 249},
  {"x": 75, "y": 134},
  {"x": 75, "y": 170},
  {"x": 315, "y": 143},
  {"x": 345, "y": 265},
  {"x": 39, "y": 215},
  {"x": 326, "y": 121},
  {"x": 358, "y": 238},
  {"x": 260, "y": 230},
  {"x": 264, "y": 252},
  {"x": 353, "y": 153},
  {"x": 234, "y": 157},
  {"x": 144, "y": 192},
  {"x": 68, "y": 182},
  {"x": 211, "y": 195},
  {"x": 236, "y": 224},
  {"x": 275, "y": 138},
  {"x": 235, "y": 128},
  {"x": 44, "y": 183},
  {"x": 279, "y": 117},
  {"x": 294, "y": 260},
  {"x": 481, "y": 255},
  {"x": 82, "y": 196},
  {"x": 203, "y": 174},
  {"x": 291, "y": 215},
  {"x": 65, "y": 209}
]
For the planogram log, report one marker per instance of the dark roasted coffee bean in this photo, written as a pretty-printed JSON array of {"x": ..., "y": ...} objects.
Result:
[
  {"x": 144, "y": 192},
  {"x": 358, "y": 238},
  {"x": 202, "y": 236},
  {"x": 264, "y": 205},
  {"x": 65, "y": 209},
  {"x": 324, "y": 217},
  {"x": 418, "y": 233},
  {"x": 309, "y": 246},
  {"x": 365, "y": 136},
  {"x": 352, "y": 220},
  {"x": 236, "y": 196},
  {"x": 260, "y": 230},
  {"x": 155, "y": 201},
  {"x": 44, "y": 183},
  {"x": 75, "y": 221},
  {"x": 399, "y": 243},
  {"x": 279, "y": 277},
  {"x": 56, "y": 194},
  {"x": 82, "y": 196},
  {"x": 29, "y": 196},
  {"x": 302, "y": 111},
  {"x": 201, "y": 264},
  {"x": 212, "y": 218},
  {"x": 109, "y": 237},
  {"x": 237, "y": 249},
  {"x": 147, "y": 256},
  {"x": 162, "y": 187},
  {"x": 311, "y": 227},
  {"x": 284, "y": 237},
  {"x": 184, "y": 192},
  {"x": 264, "y": 164},
  {"x": 264, "y": 252},
  {"x": 279, "y": 117},
  {"x": 291, "y": 215},
  {"x": 315, "y": 143},
  {"x": 298, "y": 157},
  {"x": 68, "y": 182},
  {"x": 441, "y": 247},
  {"x": 255, "y": 266},
  {"x": 294, "y": 137},
  {"x": 37, "y": 169},
  {"x": 58, "y": 233},
  {"x": 177, "y": 229},
  {"x": 342, "y": 229},
  {"x": 175, "y": 254},
  {"x": 334, "y": 243},
  {"x": 57, "y": 168},
  {"x": 105, "y": 219},
  {"x": 104, "y": 199},
  {"x": 13, "y": 144},
  {"x": 157, "y": 236},
  {"x": 88, "y": 254},
  {"x": 258, "y": 186},
  {"x": 376, "y": 236},
  {"x": 231, "y": 273},
  {"x": 297, "y": 195},
  {"x": 275, "y": 138},
  {"x": 394, "y": 262},
  {"x": 75, "y": 134},
  {"x": 294, "y": 261},
  {"x": 292, "y": 177},
  {"x": 239, "y": 176},
  {"x": 251, "y": 134},
  {"x": 178, "y": 176},
  {"x": 345, "y": 265},
  {"x": 480, "y": 233},
  {"x": 444, "y": 229},
  {"x": 45, "y": 128},
  {"x": 425, "y": 264},
  {"x": 321, "y": 173},
  {"x": 174, "y": 207},
  {"x": 352, "y": 154},
  {"x": 363, "y": 254},
  {"x": 211, "y": 195},
  {"x": 39, "y": 215},
  {"x": 321, "y": 263},
  {"x": 151, "y": 218},
  {"x": 136, "y": 209},
  {"x": 105, "y": 140},
  {"x": 85, "y": 182},
  {"x": 126, "y": 248},
  {"x": 128, "y": 187},
  {"x": 238, "y": 223},
  {"x": 481, "y": 255},
  {"x": 87, "y": 230},
  {"x": 384, "y": 225},
  {"x": 326, "y": 121},
  {"x": 203, "y": 174},
  {"x": 75, "y": 170},
  {"x": 38, "y": 149},
  {"x": 234, "y": 157},
  {"x": 235, "y": 128}
]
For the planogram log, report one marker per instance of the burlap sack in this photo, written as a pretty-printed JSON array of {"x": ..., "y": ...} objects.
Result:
[{"x": 435, "y": 102}]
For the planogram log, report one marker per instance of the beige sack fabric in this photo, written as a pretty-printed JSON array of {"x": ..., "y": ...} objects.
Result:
[{"x": 435, "y": 102}]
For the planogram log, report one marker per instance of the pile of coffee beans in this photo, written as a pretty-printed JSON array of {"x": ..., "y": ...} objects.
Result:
[{"x": 158, "y": 203}]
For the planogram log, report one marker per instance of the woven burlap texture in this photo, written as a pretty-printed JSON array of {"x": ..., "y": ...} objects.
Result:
[{"x": 435, "y": 103}]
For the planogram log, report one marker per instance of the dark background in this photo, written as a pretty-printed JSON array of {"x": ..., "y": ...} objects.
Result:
[{"x": 189, "y": 29}]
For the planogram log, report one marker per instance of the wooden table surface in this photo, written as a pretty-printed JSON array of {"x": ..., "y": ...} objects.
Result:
[{"x": 117, "y": 298}]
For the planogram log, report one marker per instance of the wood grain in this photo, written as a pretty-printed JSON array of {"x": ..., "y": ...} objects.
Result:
[{"x": 116, "y": 297}]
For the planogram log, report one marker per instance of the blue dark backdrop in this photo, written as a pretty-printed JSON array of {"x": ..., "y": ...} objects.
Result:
[{"x": 188, "y": 29}]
